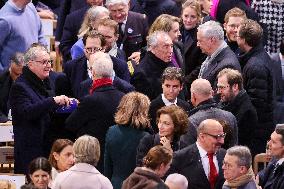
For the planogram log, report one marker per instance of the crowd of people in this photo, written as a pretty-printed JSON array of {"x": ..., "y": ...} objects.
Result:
[{"x": 153, "y": 94}]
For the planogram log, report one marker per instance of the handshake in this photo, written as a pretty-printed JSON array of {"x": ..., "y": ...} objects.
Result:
[{"x": 67, "y": 105}]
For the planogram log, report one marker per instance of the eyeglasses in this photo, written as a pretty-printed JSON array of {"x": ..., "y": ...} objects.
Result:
[
  {"x": 217, "y": 137},
  {"x": 221, "y": 87},
  {"x": 93, "y": 49},
  {"x": 233, "y": 26},
  {"x": 44, "y": 62}
]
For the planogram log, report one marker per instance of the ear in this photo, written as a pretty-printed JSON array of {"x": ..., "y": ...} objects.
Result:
[
  {"x": 225, "y": 26},
  {"x": 235, "y": 87},
  {"x": 56, "y": 156},
  {"x": 243, "y": 169}
]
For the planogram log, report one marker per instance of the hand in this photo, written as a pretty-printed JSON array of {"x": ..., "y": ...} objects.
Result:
[
  {"x": 62, "y": 100},
  {"x": 166, "y": 142},
  {"x": 135, "y": 57},
  {"x": 47, "y": 14}
]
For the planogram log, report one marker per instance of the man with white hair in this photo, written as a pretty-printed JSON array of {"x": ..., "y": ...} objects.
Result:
[
  {"x": 147, "y": 76},
  {"x": 210, "y": 36},
  {"x": 95, "y": 113},
  {"x": 133, "y": 27},
  {"x": 176, "y": 181}
]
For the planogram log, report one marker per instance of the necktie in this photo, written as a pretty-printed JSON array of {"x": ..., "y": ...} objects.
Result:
[
  {"x": 212, "y": 171},
  {"x": 204, "y": 67},
  {"x": 120, "y": 37}
]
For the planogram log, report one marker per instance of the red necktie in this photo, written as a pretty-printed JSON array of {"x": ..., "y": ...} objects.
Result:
[{"x": 213, "y": 171}]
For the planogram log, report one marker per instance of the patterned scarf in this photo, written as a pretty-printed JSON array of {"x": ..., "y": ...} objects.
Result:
[{"x": 237, "y": 182}]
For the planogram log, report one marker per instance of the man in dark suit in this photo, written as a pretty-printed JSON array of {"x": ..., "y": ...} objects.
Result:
[
  {"x": 133, "y": 27},
  {"x": 79, "y": 69},
  {"x": 236, "y": 100},
  {"x": 6, "y": 80},
  {"x": 201, "y": 163},
  {"x": 71, "y": 28},
  {"x": 32, "y": 101},
  {"x": 172, "y": 84},
  {"x": 210, "y": 38},
  {"x": 272, "y": 177},
  {"x": 147, "y": 75},
  {"x": 95, "y": 113}
]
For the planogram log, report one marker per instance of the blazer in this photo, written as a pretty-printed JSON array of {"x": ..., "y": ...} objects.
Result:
[
  {"x": 225, "y": 59},
  {"x": 279, "y": 82},
  {"x": 76, "y": 72},
  {"x": 158, "y": 103},
  {"x": 187, "y": 162},
  {"x": 135, "y": 33},
  {"x": 95, "y": 114},
  {"x": 81, "y": 176}
]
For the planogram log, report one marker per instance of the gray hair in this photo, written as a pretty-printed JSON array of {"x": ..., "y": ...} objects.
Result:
[
  {"x": 102, "y": 65},
  {"x": 33, "y": 52},
  {"x": 243, "y": 154},
  {"x": 87, "y": 150},
  {"x": 201, "y": 87},
  {"x": 212, "y": 29},
  {"x": 177, "y": 180},
  {"x": 17, "y": 58},
  {"x": 153, "y": 38},
  {"x": 113, "y": 2}
]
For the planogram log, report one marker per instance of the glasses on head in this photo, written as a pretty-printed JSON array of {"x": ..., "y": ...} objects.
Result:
[
  {"x": 44, "y": 62},
  {"x": 93, "y": 49},
  {"x": 217, "y": 137}
]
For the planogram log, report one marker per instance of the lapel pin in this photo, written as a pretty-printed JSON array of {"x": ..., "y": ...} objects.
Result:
[{"x": 130, "y": 30}]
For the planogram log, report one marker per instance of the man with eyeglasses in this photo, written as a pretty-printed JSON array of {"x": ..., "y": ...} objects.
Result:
[
  {"x": 201, "y": 162},
  {"x": 233, "y": 20},
  {"x": 80, "y": 69},
  {"x": 237, "y": 169},
  {"x": 206, "y": 108},
  {"x": 33, "y": 103},
  {"x": 236, "y": 100},
  {"x": 272, "y": 177}
]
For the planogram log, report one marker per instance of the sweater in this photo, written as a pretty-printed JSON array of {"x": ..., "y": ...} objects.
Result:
[{"x": 18, "y": 30}]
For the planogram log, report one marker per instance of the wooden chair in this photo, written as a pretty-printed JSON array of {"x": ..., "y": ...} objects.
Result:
[{"x": 260, "y": 158}]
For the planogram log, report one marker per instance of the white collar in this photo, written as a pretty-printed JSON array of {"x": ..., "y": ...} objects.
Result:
[
  {"x": 202, "y": 152},
  {"x": 167, "y": 102},
  {"x": 280, "y": 161}
]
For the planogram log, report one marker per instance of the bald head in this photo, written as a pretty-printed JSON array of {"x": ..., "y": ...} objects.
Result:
[
  {"x": 201, "y": 90},
  {"x": 208, "y": 125}
]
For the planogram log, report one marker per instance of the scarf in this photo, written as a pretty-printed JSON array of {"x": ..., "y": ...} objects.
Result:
[
  {"x": 237, "y": 182},
  {"x": 100, "y": 82},
  {"x": 42, "y": 86}
]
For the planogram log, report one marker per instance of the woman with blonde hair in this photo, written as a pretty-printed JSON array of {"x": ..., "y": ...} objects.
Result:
[
  {"x": 122, "y": 139},
  {"x": 90, "y": 22}
]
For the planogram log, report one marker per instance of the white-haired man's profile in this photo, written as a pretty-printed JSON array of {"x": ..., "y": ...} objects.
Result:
[{"x": 176, "y": 181}]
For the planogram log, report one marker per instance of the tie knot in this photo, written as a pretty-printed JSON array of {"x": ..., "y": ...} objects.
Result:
[{"x": 210, "y": 155}]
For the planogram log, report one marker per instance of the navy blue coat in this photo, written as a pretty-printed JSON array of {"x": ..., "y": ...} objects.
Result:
[
  {"x": 76, "y": 72},
  {"x": 95, "y": 114},
  {"x": 120, "y": 152},
  {"x": 31, "y": 119},
  {"x": 5, "y": 85}
]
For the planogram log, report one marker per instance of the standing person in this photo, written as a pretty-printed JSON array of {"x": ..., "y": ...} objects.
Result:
[
  {"x": 61, "y": 156},
  {"x": 236, "y": 100},
  {"x": 201, "y": 163},
  {"x": 155, "y": 164},
  {"x": 258, "y": 79},
  {"x": 237, "y": 167},
  {"x": 122, "y": 139},
  {"x": 32, "y": 101},
  {"x": 172, "y": 122},
  {"x": 84, "y": 173},
  {"x": 20, "y": 26}
]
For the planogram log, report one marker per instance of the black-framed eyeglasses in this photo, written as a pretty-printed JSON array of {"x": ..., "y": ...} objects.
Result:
[
  {"x": 93, "y": 49},
  {"x": 217, "y": 137},
  {"x": 44, "y": 62}
]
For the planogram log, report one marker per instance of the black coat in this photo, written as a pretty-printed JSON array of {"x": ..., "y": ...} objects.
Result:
[
  {"x": 188, "y": 163},
  {"x": 95, "y": 114},
  {"x": 5, "y": 85},
  {"x": 225, "y": 59},
  {"x": 31, "y": 108},
  {"x": 208, "y": 110},
  {"x": 158, "y": 103},
  {"x": 147, "y": 75},
  {"x": 245, "y": 113},
  {"x": 258, "y": 82}
]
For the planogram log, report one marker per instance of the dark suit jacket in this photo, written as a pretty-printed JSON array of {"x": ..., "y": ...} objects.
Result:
[
  {"x": 225, "y": 59},
  {"x": 95, "y": 114},
  {"x": 277, "y": 70},
  {"x": 135, "y": 32},
  {"x": 187, "y": 162},
  {"x": 76, "y": 72},
  {"x": 70, "y": 30},
  {"x": 158, "y": 103},
  {"x": 5, "y": 85}
]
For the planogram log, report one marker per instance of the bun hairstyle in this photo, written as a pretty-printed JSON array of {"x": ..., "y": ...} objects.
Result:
[{"x": 156, "y": 156}]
